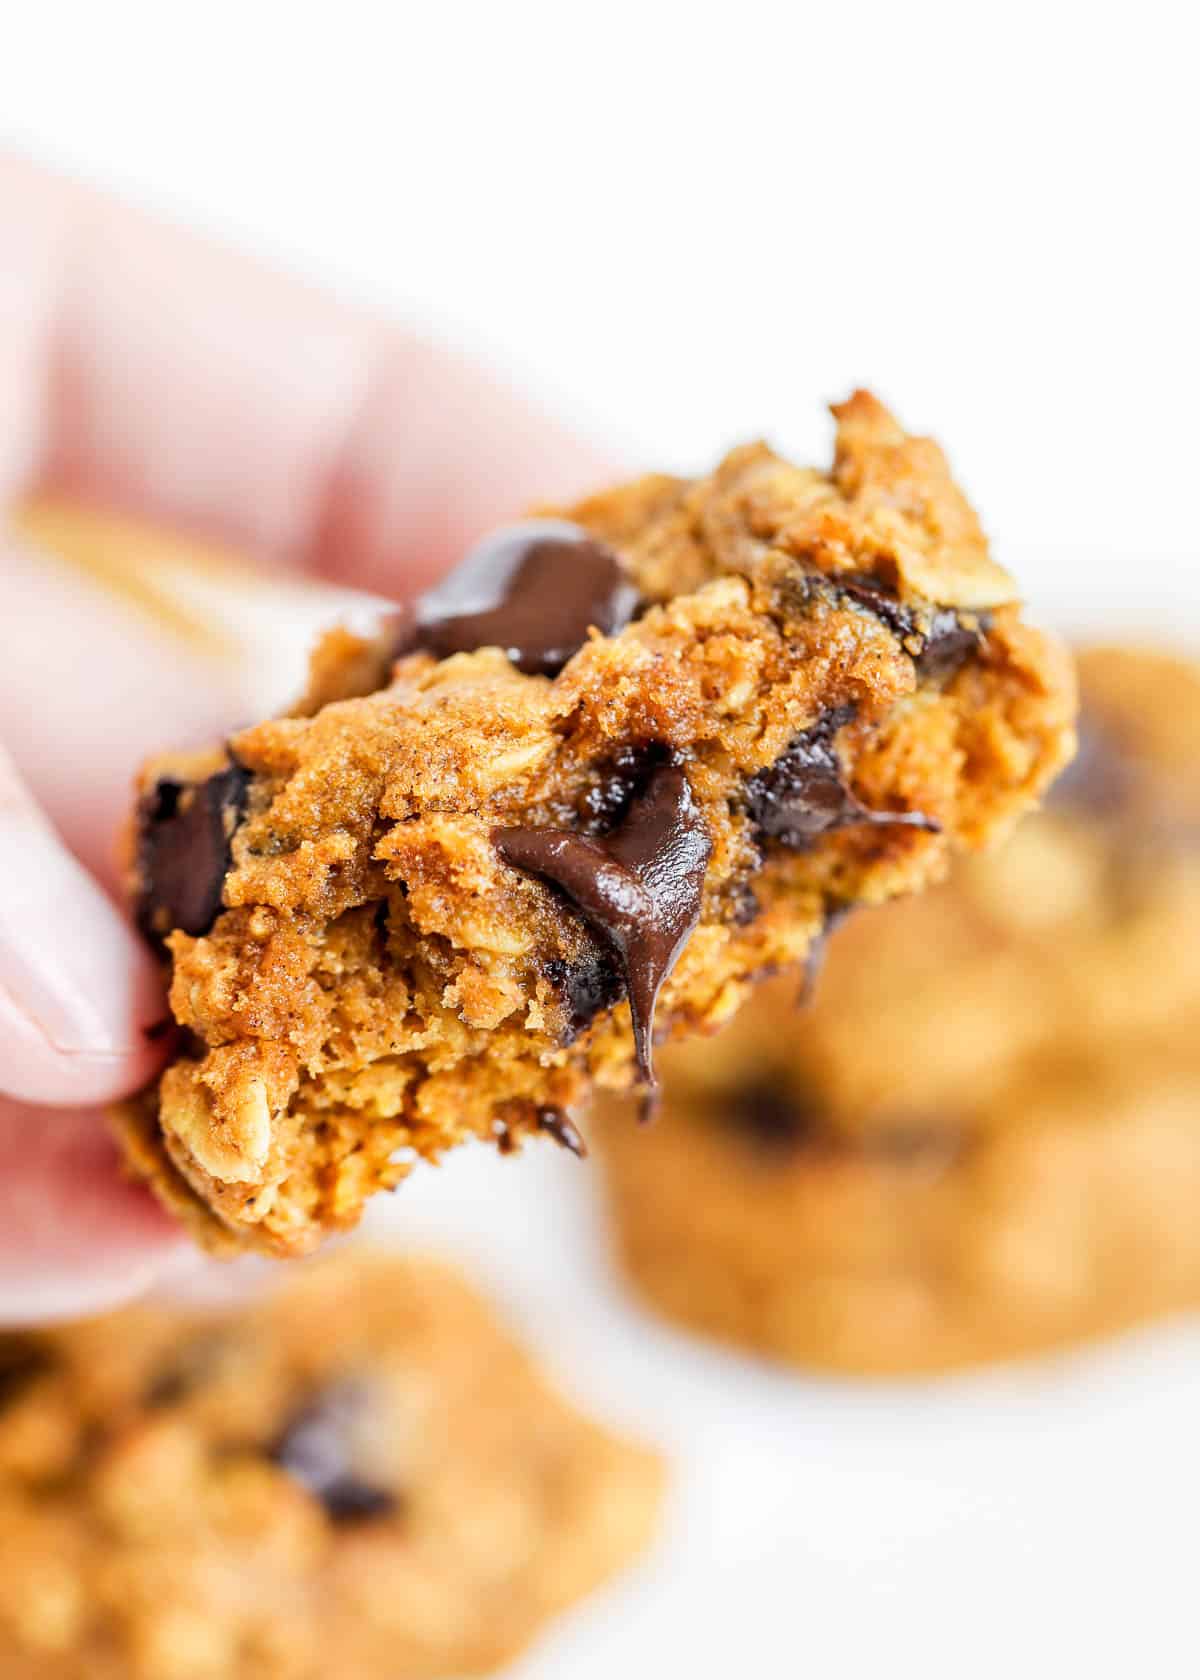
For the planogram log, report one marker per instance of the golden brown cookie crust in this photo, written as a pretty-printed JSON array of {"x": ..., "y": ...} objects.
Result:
[
  {"x": 981, "y": 1140},
  {"x": 380, "y": 984},
  {"x": 245, "y": 1496}
]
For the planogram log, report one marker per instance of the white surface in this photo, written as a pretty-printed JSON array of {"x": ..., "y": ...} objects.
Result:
[
  {"x": 695, "y": 223},
  {"x": 687, "y": 224}
]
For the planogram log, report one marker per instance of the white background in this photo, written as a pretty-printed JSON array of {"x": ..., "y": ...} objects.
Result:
[{"x": 686, "y": 224}]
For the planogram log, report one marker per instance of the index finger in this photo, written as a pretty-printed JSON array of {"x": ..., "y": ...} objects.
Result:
[{"x": 147, "y": 368}]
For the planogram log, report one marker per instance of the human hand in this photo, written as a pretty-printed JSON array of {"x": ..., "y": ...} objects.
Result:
[{"x": 144, "y": 368}]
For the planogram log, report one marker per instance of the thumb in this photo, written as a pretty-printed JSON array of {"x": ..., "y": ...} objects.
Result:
[{"x": 78, "y": 991}]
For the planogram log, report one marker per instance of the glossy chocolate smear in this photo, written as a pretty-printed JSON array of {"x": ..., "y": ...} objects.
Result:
[
  {"x": 802, "y": 795},
  {"x": 533, "y": 589},
  {"x": 947, "y": 638},
  {"x": 638, "y": 888},
  {"x": 185, "y": 830},
  {"x": 319, "y": 1449}
]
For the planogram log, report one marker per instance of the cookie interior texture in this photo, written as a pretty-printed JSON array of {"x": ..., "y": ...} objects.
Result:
[
  {"x": 983, "y": 1137},
  {"x": 444, "y": 881},
  {"x": 226, "y": 1495}
]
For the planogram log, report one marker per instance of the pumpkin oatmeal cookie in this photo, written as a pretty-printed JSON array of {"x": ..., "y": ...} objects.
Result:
[
  {"x": 360, "y": 1475},
  {"x": 616, "y": 767}
]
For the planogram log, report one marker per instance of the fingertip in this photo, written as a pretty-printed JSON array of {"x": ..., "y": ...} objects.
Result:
[
  {"x": 35, "y": 1069},
  {"x": 80, "y": 995}
]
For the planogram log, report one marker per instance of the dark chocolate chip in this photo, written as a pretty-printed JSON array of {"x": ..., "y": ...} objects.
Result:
[
  {"x": 744, "y": 906},
  {"x": 947, "y": 638},
  {"x": 803, "y": 796},
  {"x": 638, "y": 889},
  {"x": 185, "y": 830},
  {"x": 877, "y": 599},
  {"x": 22, "y": 1361},
  {"x": 555, "y": 1124},
  {"x": 317, "y": 1449},
  {"x": 769, "y": 1116},
  {"x": 949, "y": 643},
  {"x": 588, "y": 986},
  {"x": 533, "y": 589},
  {"x": 778, "y": 1121},
  {"x": 620, "y": 780}
]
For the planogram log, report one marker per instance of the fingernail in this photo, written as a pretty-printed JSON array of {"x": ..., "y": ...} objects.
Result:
[{"x": 68, "y": 964}]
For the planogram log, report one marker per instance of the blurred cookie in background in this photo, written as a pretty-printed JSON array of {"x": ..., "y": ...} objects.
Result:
[
  {"x": 359, "y": 1475},
  {"x": 983, "y": 1137}
]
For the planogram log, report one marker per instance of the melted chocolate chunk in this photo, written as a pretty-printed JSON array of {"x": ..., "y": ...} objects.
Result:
[
  {"x": 949, "y": 643},
  {"x": 555, "y": 1124},
  {"x": 533, "y": 589},
  {"x": 638, "y": 889},
  {"x": 317, "y": 1449},
  {"x": 185, "y": 830},
  {"x": 587, "y": 987},
  {"x": 802, "y": 795},
  {"x": 947, "y": 638}
]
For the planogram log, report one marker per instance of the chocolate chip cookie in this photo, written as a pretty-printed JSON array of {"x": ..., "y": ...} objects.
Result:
[
  {"x": 983, "y": 1137},
  {"x": 359, "y": 1476},
  {"x": 614, "y": 768}
]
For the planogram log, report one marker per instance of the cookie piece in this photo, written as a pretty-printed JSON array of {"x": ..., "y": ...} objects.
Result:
[
  {"x": 711, "y": 715},
  {"x": 361, "y": 1475},
  {"x": 983, "y": 1138}
]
